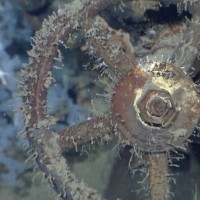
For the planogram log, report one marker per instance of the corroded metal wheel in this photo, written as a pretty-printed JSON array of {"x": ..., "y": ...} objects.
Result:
[{"x": 154, "y": 107}]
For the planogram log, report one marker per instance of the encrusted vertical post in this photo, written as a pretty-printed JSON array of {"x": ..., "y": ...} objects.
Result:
[{"x": 158, "y": 170}]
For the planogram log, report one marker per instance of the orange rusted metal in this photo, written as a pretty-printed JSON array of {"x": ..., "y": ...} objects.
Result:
[{"x": 155, "y": 107}]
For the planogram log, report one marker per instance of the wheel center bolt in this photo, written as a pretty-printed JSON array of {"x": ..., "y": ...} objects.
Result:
[{"x": 158, "y": 106}]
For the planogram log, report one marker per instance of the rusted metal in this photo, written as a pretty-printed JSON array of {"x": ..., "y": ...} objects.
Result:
[
  {"x": 158, "y": 170},
  {"x": 87, "y": 131},
  {"x": 156, "y": 108},
  {"x": 152, "y": 105}
]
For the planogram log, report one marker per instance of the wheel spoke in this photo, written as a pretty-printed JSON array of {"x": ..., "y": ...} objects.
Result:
[
  {"x": 186, "y": 56},
  {"x": 89, "y": 130},
  {"x": 158, "y": 170}
]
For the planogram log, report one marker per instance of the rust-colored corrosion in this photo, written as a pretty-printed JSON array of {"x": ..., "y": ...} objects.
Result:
[
  {"x": 156, "y": 107},
  {"x": 158, "y": 176}
]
